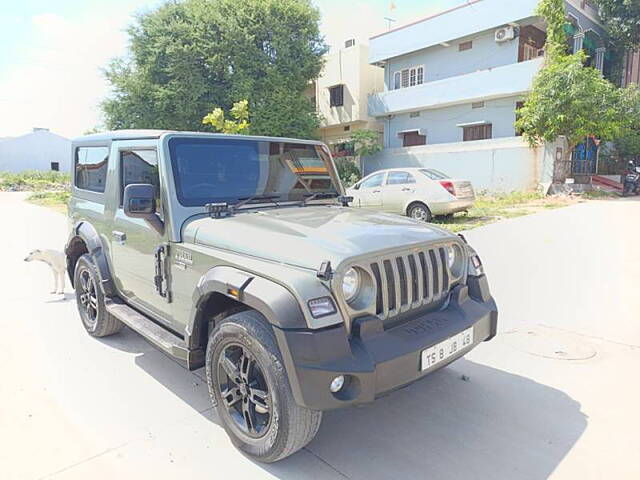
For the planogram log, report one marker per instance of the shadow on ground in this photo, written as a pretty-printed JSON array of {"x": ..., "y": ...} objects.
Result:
[{"x": 494, "y": 425}]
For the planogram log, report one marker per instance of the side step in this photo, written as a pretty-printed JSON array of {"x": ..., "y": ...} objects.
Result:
[{"x": 160, "y": 337}]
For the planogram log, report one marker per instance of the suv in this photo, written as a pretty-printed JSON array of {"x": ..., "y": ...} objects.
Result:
[{"x": 241, "y": 255}]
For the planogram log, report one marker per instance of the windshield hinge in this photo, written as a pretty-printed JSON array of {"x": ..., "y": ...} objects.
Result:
[
  {"x": 325, "y": 272},
  {"x": 218, "y": 210}
]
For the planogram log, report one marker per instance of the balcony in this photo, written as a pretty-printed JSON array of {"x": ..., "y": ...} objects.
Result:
[{"x": 500, "y": 82}]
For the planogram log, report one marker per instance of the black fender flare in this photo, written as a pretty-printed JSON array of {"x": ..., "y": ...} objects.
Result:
[
  {"x": 89, "y": 235},
  {"x": 278, "y": 305}
]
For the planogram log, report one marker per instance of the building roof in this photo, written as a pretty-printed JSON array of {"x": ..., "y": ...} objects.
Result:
[{"x": 469, "y": 18}]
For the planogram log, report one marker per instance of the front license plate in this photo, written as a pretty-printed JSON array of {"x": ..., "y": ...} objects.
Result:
[{"x": 443, "y": 350}]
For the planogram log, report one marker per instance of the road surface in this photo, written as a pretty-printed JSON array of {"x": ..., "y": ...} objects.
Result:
[{"x": 554, "y": 395}]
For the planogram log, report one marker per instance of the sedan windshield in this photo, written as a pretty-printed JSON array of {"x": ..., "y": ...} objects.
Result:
[
  {"x": 213, "y": 170},
  {"x": 434, "y": 174}
]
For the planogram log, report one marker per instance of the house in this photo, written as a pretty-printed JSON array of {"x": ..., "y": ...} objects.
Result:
[
  {"x": 453, "y": 83},
  {"x": 460, "y": 75},
  {"x": 341, "y": 92},
  {"x": 38, "y": 150}
]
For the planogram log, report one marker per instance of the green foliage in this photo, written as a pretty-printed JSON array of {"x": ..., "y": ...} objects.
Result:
[
  {"x": 364, "y": 143},
  {"x": 186, "y": 56},
  {"x": 240, "y": 113},
  {"x": 348, "y": 171},
  {"x": 555, "y": 14},
  {"x": 34, "y": 180},
  {"x": 56, "y": 200},
  {"x": 622, "y": 21}
]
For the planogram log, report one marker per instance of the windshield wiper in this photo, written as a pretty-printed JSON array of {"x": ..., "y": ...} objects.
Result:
[
  {"x": 253, "y": 198},
  {"x": 319, "y": 195}
]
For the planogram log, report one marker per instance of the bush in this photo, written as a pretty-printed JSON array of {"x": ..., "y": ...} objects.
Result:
[
  {"x": 36, "y": 181},
  {"x": 348, "y": 171}
]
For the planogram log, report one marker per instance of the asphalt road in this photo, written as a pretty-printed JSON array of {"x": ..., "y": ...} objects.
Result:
[{"x": 554, "y": 395}]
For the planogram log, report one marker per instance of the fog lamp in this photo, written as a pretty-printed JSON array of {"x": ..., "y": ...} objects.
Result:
[{"x": 337, "y": 384}]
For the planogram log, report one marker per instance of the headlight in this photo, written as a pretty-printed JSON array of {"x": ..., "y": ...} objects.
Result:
[
  {"x": 455, "y": 259},
  {"x": 350, "y": 284}
]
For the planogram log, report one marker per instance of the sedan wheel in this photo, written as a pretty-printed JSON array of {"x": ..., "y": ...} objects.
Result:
[{"x": 420, "y": 212}]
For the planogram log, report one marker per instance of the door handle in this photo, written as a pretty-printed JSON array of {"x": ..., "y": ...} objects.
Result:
[
  {"x": 376, "y": 191},
  {"x": 407, "y": 189},
  {"x": 119, "y": 237}
]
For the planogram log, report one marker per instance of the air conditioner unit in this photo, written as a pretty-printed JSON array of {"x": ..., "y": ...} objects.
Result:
[{"x": 505, "y": 34}]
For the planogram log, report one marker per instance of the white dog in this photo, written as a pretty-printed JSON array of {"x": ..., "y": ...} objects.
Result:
[{"x": 58, "y": 263}]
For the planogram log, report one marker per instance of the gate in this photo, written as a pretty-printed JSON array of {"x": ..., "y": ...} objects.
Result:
[{"x": 584, "y": 161}]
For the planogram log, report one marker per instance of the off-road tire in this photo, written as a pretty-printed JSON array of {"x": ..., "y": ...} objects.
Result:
[
  {"x": 291, "y": 426},
  {"x": 419, "y": 206},
  {"x": 104, "y": 323}
]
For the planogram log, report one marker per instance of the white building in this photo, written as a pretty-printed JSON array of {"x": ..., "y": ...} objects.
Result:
[{"x": 38, "y": 150}]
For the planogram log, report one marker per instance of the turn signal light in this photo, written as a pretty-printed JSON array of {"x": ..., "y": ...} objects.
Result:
[{"x": 448, "y": 186}]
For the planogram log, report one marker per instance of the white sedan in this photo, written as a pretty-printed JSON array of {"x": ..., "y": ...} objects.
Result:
[{"x": 419, "y": 193}]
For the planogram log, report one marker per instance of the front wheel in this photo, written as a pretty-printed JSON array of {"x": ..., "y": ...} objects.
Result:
[
  {"x": 249, "y": 386},
  {"x": 419, "y": 211}
]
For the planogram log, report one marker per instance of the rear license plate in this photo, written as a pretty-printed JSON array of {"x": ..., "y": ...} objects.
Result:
[{"x": 445, "y": 349}]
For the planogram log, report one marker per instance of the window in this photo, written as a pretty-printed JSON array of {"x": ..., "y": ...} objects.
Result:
[
  {"x": 465, "y": 46},
  {"x": 139, "y": 166},
  {"x": 400, "y": 178},
  {"x": 414, "y": 114},
  {"x": 434, "y": 174},
  {"x": 336, "y": 96},
  {"x": 55, "y": 166},
  {"x": 409, "y": 77},
  {"x": 477, "y": 105},
  {"x": 350, "y": 43},
  {"x": 373, "y": 181},
  {"x": 213, "y": 170},
  {"x": 347, "y": 128},
  {"x": 91, "y": 168},
  {"x": 477, "y": 132},
  {"x": 412, "y": 139}
]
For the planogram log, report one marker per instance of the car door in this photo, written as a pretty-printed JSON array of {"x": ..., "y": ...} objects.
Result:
[
  {"x": 370, "y": 191},
  {"x": 134, "y": 242},
  {"x": 398, "y": 190}
]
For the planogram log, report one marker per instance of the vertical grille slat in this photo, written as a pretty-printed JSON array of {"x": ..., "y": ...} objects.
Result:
[
  {"x": 435, "y": 275},
  {"x": 445, "y": 270},
  {"x": 391, "y": 285},
  {"x": 425, "y": 275},
  {"x": 412, "y": 282},
  {"x": 403, "y": 281},
  {"x": 379, "y": 289},
  {"x": 419, "y": 277}
]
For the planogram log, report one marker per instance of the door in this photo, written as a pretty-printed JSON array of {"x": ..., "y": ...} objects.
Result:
[
  {"x": 134, "y": 243},
  {"x": 370, "y": 191},
  {"x": 398, "y": 190}
]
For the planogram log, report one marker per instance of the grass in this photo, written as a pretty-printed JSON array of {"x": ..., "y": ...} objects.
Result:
[
  {"x": 492, "y": 208},
  {"x": 600, "y": 194},
  {"x": 34, "y": 181},
  {"x": 56, "y": 200}
]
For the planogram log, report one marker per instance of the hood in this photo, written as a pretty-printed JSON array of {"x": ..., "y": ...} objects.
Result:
[{"x": 307, "y": 236}]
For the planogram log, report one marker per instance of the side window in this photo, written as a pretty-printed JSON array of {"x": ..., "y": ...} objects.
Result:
[
  {"x": 91, "y": 168},
  {"x": 374, "y": 181},
  {"x": 140, "y": 166},
  {"x": 400, "y": 178}
]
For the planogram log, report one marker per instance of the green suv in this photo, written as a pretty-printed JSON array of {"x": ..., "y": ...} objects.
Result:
[{"x": 241, "y": 255}]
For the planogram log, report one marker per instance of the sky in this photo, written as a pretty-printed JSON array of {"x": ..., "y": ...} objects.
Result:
[{"x": 52, "y": 52}]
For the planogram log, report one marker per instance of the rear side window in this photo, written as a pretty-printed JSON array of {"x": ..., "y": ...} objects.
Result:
[
  {"x": 140, "y": 166},
  {"x": 400, "y": 178},
  {"x": 91, "y": 168}
]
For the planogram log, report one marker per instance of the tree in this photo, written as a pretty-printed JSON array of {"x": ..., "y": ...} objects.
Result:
[
  {"x": 568, "y": 99},
  {"x": 622, "y": 21},
  {"x": 186, "y": 56},
  {"x": 363, "y": 143},
  {"x": 240, "y": 113}
]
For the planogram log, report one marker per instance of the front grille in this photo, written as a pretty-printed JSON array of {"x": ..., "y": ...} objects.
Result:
[{"x": 410, "y": 280}]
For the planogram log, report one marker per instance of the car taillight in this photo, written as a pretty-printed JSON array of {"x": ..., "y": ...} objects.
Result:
[{"x": 448, "y": 186}]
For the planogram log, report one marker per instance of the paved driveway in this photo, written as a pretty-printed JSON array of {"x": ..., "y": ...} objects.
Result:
[{"x": 554, "y": 395}]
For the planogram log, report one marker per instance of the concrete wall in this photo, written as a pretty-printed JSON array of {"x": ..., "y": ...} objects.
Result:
[
  {"x": 35, "y": 151},
  {"x": 440, "y": 125},
  {"x": 444, "y": 62},
  {"x": 498, "y": 165}
]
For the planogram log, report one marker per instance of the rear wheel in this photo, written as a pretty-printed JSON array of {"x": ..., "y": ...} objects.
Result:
[
  {"x": 249, "y": 386},
  {"x": 419, "y": 211},
  {"x": 95, "y": 318}
]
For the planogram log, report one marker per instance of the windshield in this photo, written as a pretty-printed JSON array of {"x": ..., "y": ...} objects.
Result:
[
  {"x": 212, "y": 170},
  {"x": 434, "y": 174}
]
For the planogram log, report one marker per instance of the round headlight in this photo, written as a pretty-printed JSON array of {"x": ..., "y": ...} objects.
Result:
[
  {"x": 350, "y": 284},
  {"x": 454, "y": 259}
]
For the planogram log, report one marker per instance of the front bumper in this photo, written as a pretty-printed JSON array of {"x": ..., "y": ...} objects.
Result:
[{"x": 376, "y": 361}]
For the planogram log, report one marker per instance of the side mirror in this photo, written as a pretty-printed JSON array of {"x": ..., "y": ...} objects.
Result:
[{"x": 139, "y": 200}]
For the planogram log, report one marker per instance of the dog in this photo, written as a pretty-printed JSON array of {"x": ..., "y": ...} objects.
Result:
[{"x": 58, "y": 263}]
